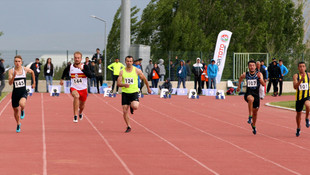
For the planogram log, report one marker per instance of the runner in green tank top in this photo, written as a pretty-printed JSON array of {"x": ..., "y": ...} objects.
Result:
[{"x": 128, "y": 80}]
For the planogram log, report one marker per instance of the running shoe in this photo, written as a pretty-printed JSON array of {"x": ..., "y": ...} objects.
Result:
[
  {"x": 307, "y": 123},
  {"x": 81, "y": 116},
  {"x": 254, "y": 129},
  {"x": 128, "y": 129},
  {"x": 75, "y": 120},
  {"x": 22, "y": 115},
  {"x": 250, "y": 120},
  {"x": 131, "y": 110},
  {"x": 18, "y": 128},
  {"x": 297, "y": 132}
]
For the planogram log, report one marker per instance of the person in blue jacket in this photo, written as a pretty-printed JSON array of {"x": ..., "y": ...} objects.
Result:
[
  {"x": 212, "y": 73},
  {"x": 284, "y": 71},
  {"x": 181, "y": 73}
]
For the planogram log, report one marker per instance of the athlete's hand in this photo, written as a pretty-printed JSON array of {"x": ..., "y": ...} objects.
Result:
[
  {"x": 238, "y": 89},
  {"x": 61, "y": 82},
  {"x": 258, "y": 75},
  {"x": 149, "y": 90},
  {"x": 126, "y": 85},
  {"x": 302, "y": 77},
  {"x": 14, "y": 73},
  {"x": 33, "y": 85}
]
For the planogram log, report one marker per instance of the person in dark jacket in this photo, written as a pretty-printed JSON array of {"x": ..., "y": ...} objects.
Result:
[
  {"x": 155, "y": 75},
  {"x": 36, "y": 67},
  {"x": 48, "y": 73},
  {"x": 99, "y": 74},
  {"x": 166, "y": 85},
  {"x": 275, "y": 75},
  {"x": 97, "y": 56},
  {"x": 2, "y": 72},
  {"x": 197, "y": 71},
  {"x": 93, "y": 81},
  {"x": 171, "y": 68},
  {"x": 260, "y": 69},
  {"x": 181, "y": 73}
]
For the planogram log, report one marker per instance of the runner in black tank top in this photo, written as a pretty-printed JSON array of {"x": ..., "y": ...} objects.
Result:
[
  {"x": 17, "y": 77},
  {"x": 254, "y": 79}
]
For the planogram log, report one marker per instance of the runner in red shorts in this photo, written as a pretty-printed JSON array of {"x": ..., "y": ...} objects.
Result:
[{"x": 79, "y": 73}]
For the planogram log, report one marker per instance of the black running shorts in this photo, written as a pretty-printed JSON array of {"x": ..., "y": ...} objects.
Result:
[
  {"x": 128, "y": 98},
  {"x": 256, "y": 102},
  {"x": 300, "y": 104},
  {"x": 16, "y": 98}
]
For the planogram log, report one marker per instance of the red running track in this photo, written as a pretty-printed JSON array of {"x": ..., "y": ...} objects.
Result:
[{"x": 169, "y": 136}]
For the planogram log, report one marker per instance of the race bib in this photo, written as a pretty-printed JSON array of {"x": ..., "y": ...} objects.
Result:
[
  {"x": 153, "y": 74},
  {"x": 77, "y": 81},
  {"x": 180, "y": 71},
  {"x": 19, "y": 83},
  {"x": 303, "y": 87},
  {"x": 100, "y": 71},
  {"x": 252, "y": 83},
  {"x": 38, "y": 70},
  {"x": 129, "y": 81},
  {"x": 48, "y": 71}
]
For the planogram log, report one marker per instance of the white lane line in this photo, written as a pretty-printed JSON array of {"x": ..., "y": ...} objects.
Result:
[
  {"x": 5, "y": 106},
  {"x": 4, "y": 98},
  {"x": 226, "y": 141},
  {"x": 169, "y": 143},
  {"x": 107, "y": 143},
  {"x": 43, "y": 138}
]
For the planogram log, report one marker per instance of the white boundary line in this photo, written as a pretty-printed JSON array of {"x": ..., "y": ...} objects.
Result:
[
  {"x": 280, "y": 107},
  {"x": 169, "y": 143},
  {"x": 5, "y": 107},
  {"x": 43, "y": 138},
  {"x": 107, "y": 143},
  {"x": 243, "y": 149}
]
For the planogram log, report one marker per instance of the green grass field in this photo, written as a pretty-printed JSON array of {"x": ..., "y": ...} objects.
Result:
[
  {"x": 287, "y": 104},
  {"x": 3, "y": 95}
]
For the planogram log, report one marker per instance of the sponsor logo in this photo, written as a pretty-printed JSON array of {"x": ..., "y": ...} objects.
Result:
[{"x": 224, "y": 38}]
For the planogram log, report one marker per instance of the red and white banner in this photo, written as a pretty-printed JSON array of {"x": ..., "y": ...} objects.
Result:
[{"x": 220, "y": 53}]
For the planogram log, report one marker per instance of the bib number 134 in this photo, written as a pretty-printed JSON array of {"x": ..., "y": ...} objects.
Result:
[{"x": 128, "y": 80}]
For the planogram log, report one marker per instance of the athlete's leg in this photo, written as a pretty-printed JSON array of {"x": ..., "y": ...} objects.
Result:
[
  {"x": 298, "y": 118},
  {"x": 76, "y": 101},
  {"x": 82, "y": 106},
  {"x": 22, "y": 103},
  {"x": 307, "y": 105},
  {"x": 16, "y": 114},
  {"x": 250, "y": 99},
  {"x": 254, "y": 117},
  {"x": 134, "y": 105},
  {"x": 125, "y": 115}
]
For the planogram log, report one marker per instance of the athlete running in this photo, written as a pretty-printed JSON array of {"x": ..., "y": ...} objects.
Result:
[
  {"x": 17, "y": 77},
  {"x": 79, "y": 73},
  {"x": 254, "y": 79},
  {"x": 301, "y": 84},
  {"x": 128, "y": 80}
]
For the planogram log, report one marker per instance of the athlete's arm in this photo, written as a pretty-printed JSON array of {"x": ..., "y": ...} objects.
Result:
[
  {"x": 261, "y": 80},
  {"x": 64, "y": 73},
  {"x": 32, "y": 75},
  {"x": 111, "y": 66},
  {"x": 296, "y": 83},
  {"x": 240, "y": 80},
  {"x": 139, "y": 72},
  {"x": 11, "y": 76},
  {"x": 86, "y": 71},
  {"x": 119, "y": 80}
]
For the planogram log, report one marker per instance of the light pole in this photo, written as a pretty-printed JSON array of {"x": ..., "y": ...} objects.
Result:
[{"x": 105, "y": 45}]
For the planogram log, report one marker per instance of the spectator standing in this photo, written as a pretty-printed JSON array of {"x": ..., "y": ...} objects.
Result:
[
  {"x": 197, "y": 70},
  {"x": 284, "y": 71},
  {"x": 171, "y": 68},
  {"x": 275, "y": 75},
  {"x": 2, "y": 78},
  {"x": 162, "y": 69},
  {"x": 48, "y": 73},
  {"x": 204, "y": 77},
  {"x": 140, "y": 80},
  {"x": 260, "y": 69},
  {"x": 136, "y": 64},
  {"x": 97, "y": 56},
  {"x": 188, "y": 70},
  {"x": 115, "y": 68},
  {"x": 36, "y": 67},
  {"x": 148, "y": 70},
  {"x": 181, "y": 73},
  {"x": 93, "y": 81},
  {"x": 262, "y": 63},
  {"x": 212, "y": 73},
  {"x": 87, "y": 62},
  {"x": 99, "y": 73},
  {"x": 155, "y": 75}
]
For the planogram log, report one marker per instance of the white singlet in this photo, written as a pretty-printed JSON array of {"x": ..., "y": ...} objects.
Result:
[{"x": 78, "y": 78}]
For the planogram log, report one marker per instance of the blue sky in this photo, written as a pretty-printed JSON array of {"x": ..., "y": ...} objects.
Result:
[{"x": 57, "y": 24}]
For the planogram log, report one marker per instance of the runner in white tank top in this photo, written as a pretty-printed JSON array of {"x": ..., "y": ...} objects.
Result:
[
  {"x": 17, "y": 77},
  {"x": 79, "y": 73}
]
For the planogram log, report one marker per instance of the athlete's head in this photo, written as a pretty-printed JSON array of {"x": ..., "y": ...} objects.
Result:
[
  {"x": 302, "y": 67},
  {"x": 129, "y": 61},
  {"x": 77, "y": 57},
  {"x": 116, "y": 60},
  {"x": 252, "y": 66},
  {"x": 18, "y": 61}
]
